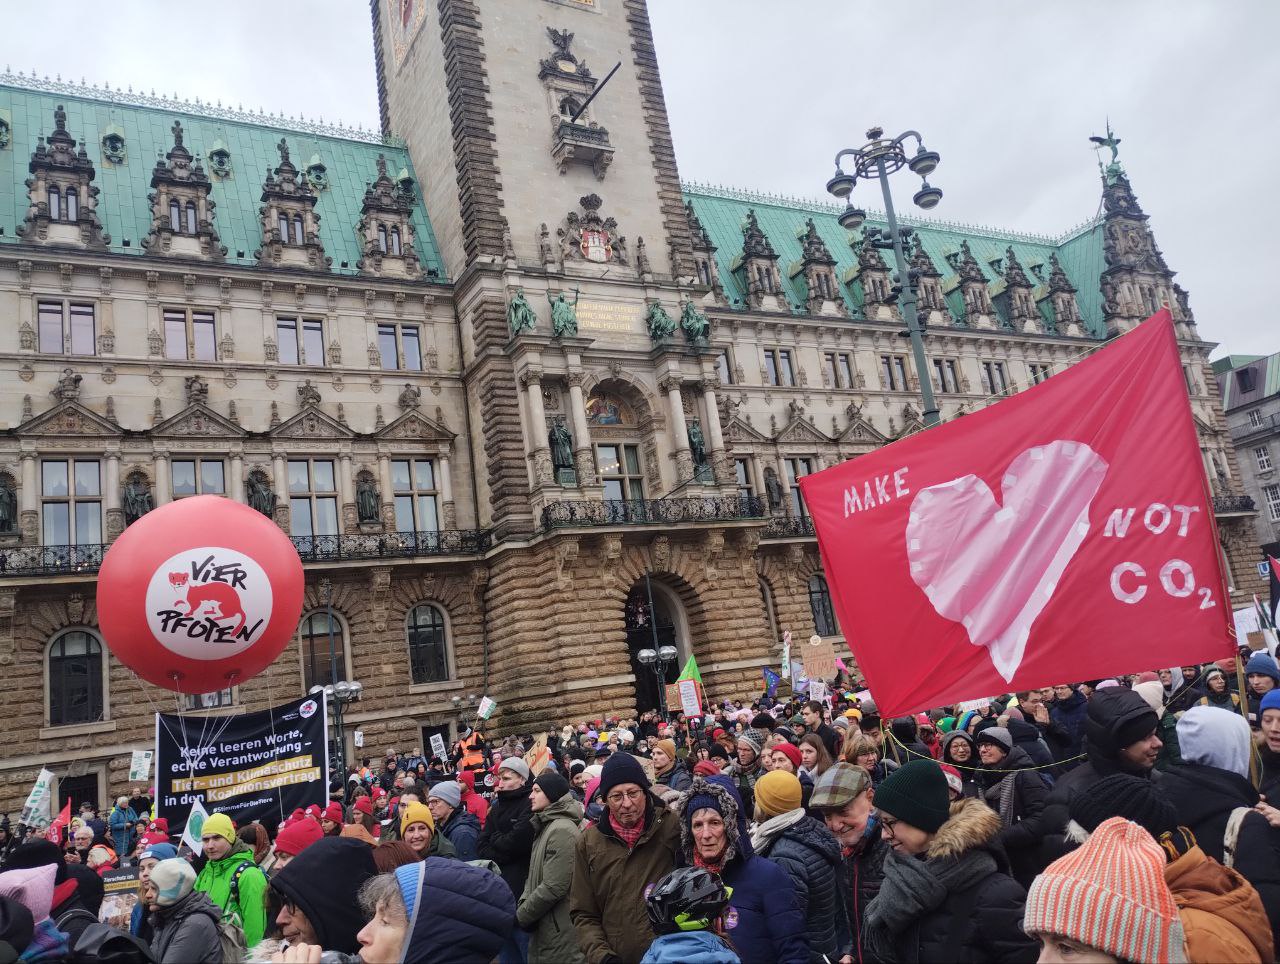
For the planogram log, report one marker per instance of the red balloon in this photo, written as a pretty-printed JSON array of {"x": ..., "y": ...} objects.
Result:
[{"x": 200, "y": 594}]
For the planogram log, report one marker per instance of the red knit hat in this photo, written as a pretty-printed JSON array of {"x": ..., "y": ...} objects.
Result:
[
  {"x": 954, "y": 780},
  {"x": 363, "y": 805},
  {"x": 297, "y": 837},
  {"x": 159, "y": 823},
  {"x": 1149, "y": 677},
  {"x": 468, "y": 779},
  {"x": 156, "y": 837},
  {"x": 789, "y": 750},
  {"x": 314, "y": 812},
  {"x": 705, "y": 768},
  {"x": 333, "y": 812}
]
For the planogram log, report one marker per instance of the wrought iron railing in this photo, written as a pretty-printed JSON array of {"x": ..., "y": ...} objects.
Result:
[
  {"x": 619, "y": 512},
  {"x": 788, "y": 527},
  {"x": 1225, "y": 504},
  {"x": 393, "y": 545},
  {"x": 51, "y": 560}
]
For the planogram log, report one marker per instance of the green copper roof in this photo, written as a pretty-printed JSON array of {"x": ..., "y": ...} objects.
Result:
[
  {"x": 724, "y": 212},
  {"x": 123, "y": 207}
]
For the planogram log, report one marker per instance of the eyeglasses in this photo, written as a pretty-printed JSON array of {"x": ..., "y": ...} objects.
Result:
[
  {"x": 890, "y": 825},
  {"x": 629, "y": 796}
]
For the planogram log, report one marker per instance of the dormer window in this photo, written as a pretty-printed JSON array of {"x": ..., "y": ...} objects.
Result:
[
  {"x": 220, "y": 161},
  {"x": 73, "y": 204},
  {"x": 317, "y": 174},
  {"x": 297, "y": 230},
  {"x": 395, "y": 241},
  {"x": 997, "y": 265},
  {"x": 569, "y": 107},
  {"x": 382, "y": 238},
  {"x": 55, "y": 204},
  {"x": 113, "y": 147},
  {"x": 953, "y": 259}
]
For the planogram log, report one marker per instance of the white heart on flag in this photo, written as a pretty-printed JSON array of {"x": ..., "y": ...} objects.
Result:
[{"x": 991, "y": 567}]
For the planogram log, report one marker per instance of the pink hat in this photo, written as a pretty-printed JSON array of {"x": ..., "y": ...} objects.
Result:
[
  {"x": 1150, "y": 677},
  {"x": 32, "y": 888}
]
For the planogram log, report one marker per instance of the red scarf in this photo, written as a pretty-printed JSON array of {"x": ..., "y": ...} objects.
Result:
[
  {"x": 715, "y": 868},
  {"x": 628, "y": 835}
]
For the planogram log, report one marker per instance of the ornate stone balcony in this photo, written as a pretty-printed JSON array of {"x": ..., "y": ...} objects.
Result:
[
  {"x": 1233, "y": 505},
  {"x": 788, "y": 527},
  {"x": 582, "y": 142},
  {"x": 624, "y": 512}
]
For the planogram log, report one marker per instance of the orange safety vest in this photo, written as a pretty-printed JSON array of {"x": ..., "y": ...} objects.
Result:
[{"x": 472, "y": 755}]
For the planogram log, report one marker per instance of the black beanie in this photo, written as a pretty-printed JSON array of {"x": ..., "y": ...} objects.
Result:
[
  {"x": 17, "y": 927},
  {"x": 1124, "y": 795},
  {"x": 619, "y": 769},
  {"x": 324, "y": 881},
  {"x": 552, "y": 784},
  {"x": 37, "y": 852},
  {"x": 717, "y": 752},
  {"x": 1117, "y": 718}
]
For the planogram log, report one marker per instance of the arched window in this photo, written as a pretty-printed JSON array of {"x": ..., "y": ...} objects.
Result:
[
  {"x": 73, "y": 204},
  {"x": 824, "y": 618},
  {"x": 191, "y": 217},
  {"x": 382, "y": 238},
  {"x": 55, "y": 204},
  {"x": 282, "y": 225},
  {"x": 318, "y": 632},
  {"x": 75, "y": 679},
  {"x": 175, "y": 216},
  {"x": 395, "y": 240},
  {"x": 428, "y": 645},
  {"x": 297, "y": 230}
]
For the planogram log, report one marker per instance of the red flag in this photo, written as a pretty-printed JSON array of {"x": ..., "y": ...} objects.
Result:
[
  {"x": 1063, "y": 534},
  {"x": 60, "y": 823}
]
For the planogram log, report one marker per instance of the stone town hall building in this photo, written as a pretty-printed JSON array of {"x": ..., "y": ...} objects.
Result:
[{"x": 315, "y": 321}]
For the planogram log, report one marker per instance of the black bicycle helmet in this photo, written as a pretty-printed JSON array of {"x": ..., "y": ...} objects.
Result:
[{"x": 687, "y": 899}]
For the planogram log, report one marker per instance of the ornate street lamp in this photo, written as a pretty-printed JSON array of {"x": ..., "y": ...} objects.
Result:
[
  {"x": 877, "y": 159},
  {"x": 658, "y": 660},
  {"x": 339, "y": 694}
]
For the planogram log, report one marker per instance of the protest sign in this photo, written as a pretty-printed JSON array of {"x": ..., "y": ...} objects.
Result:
[
  {"x": 194, "y": 829},
  {"x": 690, "y": 697},
  {"x": 1016, "y": 546},
  {"x": 38, "y": 810},
  {"x": 119, "y": 897},
  {"x": 818, "y": 690},
  {"x": 486, "y": 708},
  {"x": 819, "y": 658},
  {"x": 140, "y": 765},
  {"x": 537, "y": 756},
  {"x": 786, "y": 655},
  {"x": 259, "y": 765},
  {"x": 437, "y": 746}
]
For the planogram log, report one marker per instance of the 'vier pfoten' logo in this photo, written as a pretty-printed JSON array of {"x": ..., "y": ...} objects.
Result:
[{"x": 208, "y": 595}]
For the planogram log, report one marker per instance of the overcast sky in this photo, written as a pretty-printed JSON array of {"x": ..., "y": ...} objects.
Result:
[{"x": 762, "y": 94}]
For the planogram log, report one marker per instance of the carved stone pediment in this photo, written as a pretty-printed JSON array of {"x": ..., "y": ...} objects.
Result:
[
  {"x": 198, "y": 421},
  {"x": 861, "y": 432},
  {"x": 740, "y": 431},
  {"x": 311, "y": 423},
  {"x": 414, "y": 425},
  {"x": 799, "y": 430},
  {"x": 69, "y": 418}
]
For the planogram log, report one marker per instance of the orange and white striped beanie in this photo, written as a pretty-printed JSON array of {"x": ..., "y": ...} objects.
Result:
[{"x": 1110, "y": 895}]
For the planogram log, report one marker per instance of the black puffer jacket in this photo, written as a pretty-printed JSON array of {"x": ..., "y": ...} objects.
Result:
[
  {"x": 1270, "y": 785},
  {"x": 1205, "y": 797},
  {"x": 859, "y": 880},
  {"x": 507, "y": 837},
  {"x": 810, "y": 855},
  {"x": 1025, "y": 797}
]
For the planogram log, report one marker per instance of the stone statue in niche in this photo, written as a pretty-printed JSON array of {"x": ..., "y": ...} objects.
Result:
[
  {"x": 694, "y": 323},
  {"x": 520, "y": 316},
  {"x": 137, "y": 498},
  {"x": 561, "y": 443},
  {"x": 772, "y": 487},
  {"x": 260, "y": 495},
  {"x": 697, "y": 446},
  {"x": 410, "y": 397},
  {"x": 661, "y": 325},
  {"x": 368, "y": 508},
  {"x": 564, "y": 315},
  {"x": 8, "y": 506}
]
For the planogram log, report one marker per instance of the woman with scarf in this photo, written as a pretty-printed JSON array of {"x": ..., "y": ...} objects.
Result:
[
  {"x": 1218, "y": 693},
  {"x": 946, "y": 895},
  {"x": 1010, "y": 785},
  {"x": 770, "y": 925},
  {"x": 808, "y": 852}
]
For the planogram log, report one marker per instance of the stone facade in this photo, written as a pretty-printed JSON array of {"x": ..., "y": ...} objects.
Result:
[
  {"x": 615, "y": 382},
  {"x": 1252, "y": 403}
]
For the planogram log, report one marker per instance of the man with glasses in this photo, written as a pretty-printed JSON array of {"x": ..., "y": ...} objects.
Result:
[
  {"x": 633, "y": 846},
  {"x": 231, "y": 878}
]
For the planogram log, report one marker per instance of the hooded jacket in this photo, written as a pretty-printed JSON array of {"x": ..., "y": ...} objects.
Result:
[
  {"x": 904, "y": 731},
  {"x": 324, "y": 881},
  {"x": 1027, "y": 736},
  {"x": 187, "y": 932},
  {"x": 462, "y": 829},
  {"x": 215, "y": 880},
  {"x": 689, "y": 947},
  {"x": 975, "y": 916},
  {"x": 507, "y": 837},
  {"x": 606, "y": 899},
  {"x": 810, "y": 854},
  {"x": 475, "y": 803},
  {"x": 1018, "y": 794},
  {"x": 1069, "y": 714},
  {"x": 969, "y": 767},
  {"x": 1222, "y": 915},
  {"x": 770, "y": 924},
  {"x": 458, "y": 914},
  {"x": 543, "y": 908}
]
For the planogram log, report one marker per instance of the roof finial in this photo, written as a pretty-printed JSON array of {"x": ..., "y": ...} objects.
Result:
[
  {"x": 177, "y": 133},
  {"x": 60, "y": 118},
  {"x": 1112, "y": 143}
]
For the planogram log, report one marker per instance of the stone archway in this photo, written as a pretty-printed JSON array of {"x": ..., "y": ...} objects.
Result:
[{"x": 665, "y": 623}]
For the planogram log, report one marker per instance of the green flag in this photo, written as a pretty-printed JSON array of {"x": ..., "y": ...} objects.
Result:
[{"x": 690, "y": 671}]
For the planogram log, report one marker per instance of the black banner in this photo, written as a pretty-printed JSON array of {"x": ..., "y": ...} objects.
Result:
[{"x": 256, "y": 766}]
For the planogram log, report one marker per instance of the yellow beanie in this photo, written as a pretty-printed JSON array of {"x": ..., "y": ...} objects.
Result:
[
  {"x": 416, "y": 813},
  {"x": 219, "y": 825},
  {"x": 777, "y": 792},
  {"x": 853, "y": 713}
]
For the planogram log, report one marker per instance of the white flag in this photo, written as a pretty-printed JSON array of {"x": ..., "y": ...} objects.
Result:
[{"x": 195, "y": 824}]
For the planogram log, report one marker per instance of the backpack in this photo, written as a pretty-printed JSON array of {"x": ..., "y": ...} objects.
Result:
[
  {"x": 231, "y": 940},
  {"x": 1232, "y": 835}
]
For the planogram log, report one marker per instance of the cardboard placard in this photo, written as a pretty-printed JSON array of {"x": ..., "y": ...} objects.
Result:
[
  {"x": 819, "y": 658},
  {"x": 677, "y": 697},
  {"x": 119, "y": 897},
  {"x": 140, "y": 765},
  {"x": 538, "y": 756},
  {"x": 437, "y": 746}
]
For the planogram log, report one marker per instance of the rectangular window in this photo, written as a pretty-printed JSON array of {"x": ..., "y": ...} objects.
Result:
[
  {"x": 771, "y": 367},
  {"x": 1038, "y": 373},
  {"x": 944, "y": 376},
  {"x": 312, "y": 342},
  {"x": 993, "y": 378},
  {"x": 287, "y": 340},
  {"x": 742, "y": 473},
  {"x": 619, "y": 467},
  {"x": 399, "y": 346},
  {"x": 313, "y": 498},
  {"x": 798, "y": 469},
  {"x": 1255, "y": 418},
  {"x": 416, "y": 498},
  {"x": 777, "y": 366},
  {"x": 1272, "y": 494},
  {"x": 71, "y": 494},
  {"x": 829, "y": 367},
  {"x": 785, "y": 371},
  {"x": 189, "y": 335},
  {"x": 66, "y": 328},
  {"x": 1263, "y": 455},
  {"x": 210, "y": 701},
  {"x": 724, "y": 369},
  {"x": 845, "y": 366},
  {"x": 197, "y": 477},
  {"x": 300, "y": 341},
  {"x": 886, "y": 374}
]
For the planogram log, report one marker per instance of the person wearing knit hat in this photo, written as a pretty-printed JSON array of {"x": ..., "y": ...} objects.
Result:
[
  {"x": 1262, "y": 676},
  {"x": 508, "y": 834},
  {"x": 231, "y": 878},
  {"x": 32, "y": 887},
  {"x": 1217, "y": 691},
  {"x": 1108, "y": 896},
  {"x": 543, "y": 906},
  {"x": 454, "y": 822},
  {"x": 746, "y": 769},
  {"x": 806, "y": 850},
  {"x": 319, "y": 893},
  {"x": 632, "y": 844},
  {"x": 294, "y": 839},
  {"x": 667, "y": 769},
  {"x": 417, "y": 827},
  {"x": 184, "y": 921},
  {"x": 945, "y": 895},
  {"x": 787, "y": 757}
]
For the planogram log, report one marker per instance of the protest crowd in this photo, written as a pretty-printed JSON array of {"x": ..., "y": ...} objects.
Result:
[{"x": 1125, "y": 819}]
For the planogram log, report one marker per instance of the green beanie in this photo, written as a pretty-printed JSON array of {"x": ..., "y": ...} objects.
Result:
[{"x": 916, "y": 793}]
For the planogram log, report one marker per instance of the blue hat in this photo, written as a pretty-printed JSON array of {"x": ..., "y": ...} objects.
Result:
[
  {"x": 160, "y": 851},
  {"x": 1264, "y": 664},
  {"x": 1271, "y": 701}
]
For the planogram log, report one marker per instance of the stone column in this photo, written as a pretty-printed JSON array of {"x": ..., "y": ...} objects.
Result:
[
  {"x": 114, "y": 522},
  {"x": 346, "y": 494},
  {"x": 756, "y": 465},
  {"x": 679, "y": 431},
  {"x": 583, "y": 458},
  {"x": 163, "y": 494},
  {"x": 541, "y": 453},
  {"x": 388, "y": 494},
  {"x": 780, "y": 466},
  {"x": 714, "y": 437},
  {"x": 280, "y": 470},
  {"x": 29, "y": 517},
  {"x": 448, "y": 512},
  {"x": 235, "y": 485}
]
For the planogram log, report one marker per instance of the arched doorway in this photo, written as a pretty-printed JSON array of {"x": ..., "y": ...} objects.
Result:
[{"x": 647, "y": 627}]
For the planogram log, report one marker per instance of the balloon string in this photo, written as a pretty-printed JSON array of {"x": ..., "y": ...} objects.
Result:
[{"x": 271, "y": 718}]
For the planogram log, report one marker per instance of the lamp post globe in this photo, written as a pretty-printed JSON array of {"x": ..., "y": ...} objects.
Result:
[
  {"x": 924, "y": 162},
  {"x": 927, "y": 197},
  {"x": 841, "y": 184},
  {"x": 647, "y": 656},
  {"x": 852, "y": 218},
  {"x": 667, "y": 654}
]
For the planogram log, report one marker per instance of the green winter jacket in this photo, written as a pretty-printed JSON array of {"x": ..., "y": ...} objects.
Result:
[
  {"x": 544, "y": 905},
  {"x": 251, "y": 909}
]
